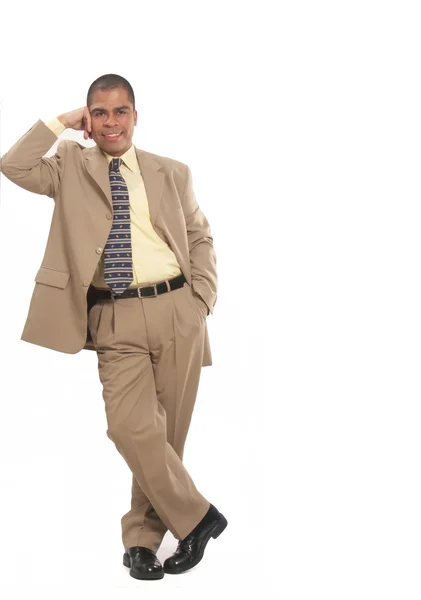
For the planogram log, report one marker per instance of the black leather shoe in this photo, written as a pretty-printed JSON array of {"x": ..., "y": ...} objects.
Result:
[
  {"x": 190, "y": 550},
  {"x": 143, "y": 563}
]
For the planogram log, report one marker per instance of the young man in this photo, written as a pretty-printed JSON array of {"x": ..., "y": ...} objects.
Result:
[{"x": 129, "y": 271}]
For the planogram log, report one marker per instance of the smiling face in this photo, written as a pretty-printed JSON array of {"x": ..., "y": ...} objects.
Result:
[{"x": 112, "y": 112}]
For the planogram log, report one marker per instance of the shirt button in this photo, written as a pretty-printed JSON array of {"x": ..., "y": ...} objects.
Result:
[
  {"x": 86, "y": 282},
  {"x": 98, "y": 250},
  {"x": 109, "y": 216}
]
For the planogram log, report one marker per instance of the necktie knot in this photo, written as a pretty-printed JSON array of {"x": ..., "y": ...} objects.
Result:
[{"x": 115, "y": 165}]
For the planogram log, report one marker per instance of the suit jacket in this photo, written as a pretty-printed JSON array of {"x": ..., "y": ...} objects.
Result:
[{"x": 77, "y": 178}]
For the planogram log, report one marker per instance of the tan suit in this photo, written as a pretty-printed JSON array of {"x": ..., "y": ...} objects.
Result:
[{"x": 150, "y": 350}]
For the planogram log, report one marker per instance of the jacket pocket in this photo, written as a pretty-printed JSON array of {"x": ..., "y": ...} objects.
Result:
[{"x": 52, "y": 277}]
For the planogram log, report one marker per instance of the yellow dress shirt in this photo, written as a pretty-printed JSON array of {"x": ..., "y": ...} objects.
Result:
[{"x": 153, "y": 260}]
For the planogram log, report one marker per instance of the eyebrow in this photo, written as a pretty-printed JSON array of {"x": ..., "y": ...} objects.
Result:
[{"x": 104, "y": 110}]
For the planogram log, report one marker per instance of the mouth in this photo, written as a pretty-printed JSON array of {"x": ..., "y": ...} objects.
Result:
[{"x": 112, "y": 137}]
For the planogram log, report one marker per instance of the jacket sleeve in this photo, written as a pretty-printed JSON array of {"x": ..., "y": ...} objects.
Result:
[
  {"x": 202, "y": 252},
  {"x": 24, "y": 164}
]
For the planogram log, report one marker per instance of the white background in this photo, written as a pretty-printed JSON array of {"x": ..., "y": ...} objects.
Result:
[{"x": 301, "y": 124}]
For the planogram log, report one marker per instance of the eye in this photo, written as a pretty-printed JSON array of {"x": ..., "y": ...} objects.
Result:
[{"x": 99, "y": 113}]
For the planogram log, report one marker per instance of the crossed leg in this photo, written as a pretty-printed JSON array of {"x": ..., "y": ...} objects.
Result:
[{"x": 150, "y": 354}]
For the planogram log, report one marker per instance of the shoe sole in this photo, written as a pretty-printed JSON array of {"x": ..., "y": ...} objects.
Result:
[
  {"x": 214, "y": 533},
  {"x": 153, "y": 575}
]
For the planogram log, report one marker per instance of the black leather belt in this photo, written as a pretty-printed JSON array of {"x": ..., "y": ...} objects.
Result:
[{"x": 146, "y": 291}]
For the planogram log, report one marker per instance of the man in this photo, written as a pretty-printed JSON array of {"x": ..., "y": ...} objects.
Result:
[{"x": 129, "y": 271}]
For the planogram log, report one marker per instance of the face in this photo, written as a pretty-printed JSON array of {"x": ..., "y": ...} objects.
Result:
[{"x": 112, "y": 112}]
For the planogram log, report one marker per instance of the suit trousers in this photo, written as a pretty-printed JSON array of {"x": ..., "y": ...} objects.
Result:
[{"x": 150, "y": 353}]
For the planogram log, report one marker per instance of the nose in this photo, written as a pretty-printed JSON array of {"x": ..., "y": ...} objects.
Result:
[{"x": 110, "y": 121}]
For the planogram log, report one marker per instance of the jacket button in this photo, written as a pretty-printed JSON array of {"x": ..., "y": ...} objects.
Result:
[
  {"x": 98, "y": 250},
  {"x": 109, "y": 216},
  {"x": 86, "y": 282}
]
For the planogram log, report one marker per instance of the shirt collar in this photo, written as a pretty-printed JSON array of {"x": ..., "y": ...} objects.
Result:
[{"x": 129, "y": 158}]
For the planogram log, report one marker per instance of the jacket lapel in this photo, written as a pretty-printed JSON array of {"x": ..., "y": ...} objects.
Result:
[{"x": 153, "y": 178}]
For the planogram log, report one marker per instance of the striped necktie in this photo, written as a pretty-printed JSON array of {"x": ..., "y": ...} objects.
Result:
[{"x": 118, "y": 270}]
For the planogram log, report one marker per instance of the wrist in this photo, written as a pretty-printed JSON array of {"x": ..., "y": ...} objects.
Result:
[{"x": 63, "y": 120}]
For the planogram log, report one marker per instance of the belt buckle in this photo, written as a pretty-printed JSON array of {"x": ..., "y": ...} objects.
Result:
[{"x": 139, "y": 292}]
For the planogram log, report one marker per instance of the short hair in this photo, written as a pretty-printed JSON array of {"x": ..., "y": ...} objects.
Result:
[{"x": 110, "y": 81}]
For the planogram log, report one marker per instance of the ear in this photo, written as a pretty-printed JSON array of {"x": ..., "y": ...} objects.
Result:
[{"x": 135, "y": 117}]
